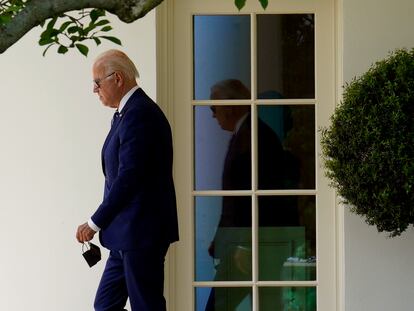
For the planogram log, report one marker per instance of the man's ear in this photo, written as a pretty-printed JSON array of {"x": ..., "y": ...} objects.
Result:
[{"x": 119, "y": 79}]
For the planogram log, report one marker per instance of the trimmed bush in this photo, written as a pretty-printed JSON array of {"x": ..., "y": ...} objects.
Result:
[{"x": 369, "y": 147}]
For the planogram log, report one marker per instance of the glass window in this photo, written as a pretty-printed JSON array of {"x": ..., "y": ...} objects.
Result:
[
  {"x": 222, "y": 142},
  {"x": 286, "y": 147},
  {"x": 285, "y": 56},
  {"x": 223, "y": 299},
  {"x": 287, "y": 299},
  {"x": 223, "y": 238},
  {"x": 287, "y": 238},
  {"x": 221, "y": 51},
  {"x": 285, "y": 159}
]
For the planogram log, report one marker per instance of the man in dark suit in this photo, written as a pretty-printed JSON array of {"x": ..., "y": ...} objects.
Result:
[
  {"x": 231, "y": 243},
  {"x": 137, "y": 219}
]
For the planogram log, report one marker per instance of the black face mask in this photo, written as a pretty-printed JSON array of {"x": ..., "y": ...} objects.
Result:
[{"x": 91, "y": 255}]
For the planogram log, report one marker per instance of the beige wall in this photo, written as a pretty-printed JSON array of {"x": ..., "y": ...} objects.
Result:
[
  {"x": 379, "y": 270},
  {"x": 52, "y": 129}
]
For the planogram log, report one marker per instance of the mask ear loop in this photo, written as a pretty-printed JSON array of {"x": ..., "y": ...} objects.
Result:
[{"x": 86, "y": 245}]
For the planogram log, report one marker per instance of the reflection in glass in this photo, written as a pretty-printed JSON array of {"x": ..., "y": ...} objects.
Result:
[
  {"x": 222, "y": 140},
  {"x": 223, "y": 238},
  {"x": 286, "y": 147},
  {"x": 227, "y": 299},
  {"x": 287, "y": 298},
  {"x": 287, "y": 238},
  {"x": 221, "y": 51},
  {"x": 286, "y": 52}
]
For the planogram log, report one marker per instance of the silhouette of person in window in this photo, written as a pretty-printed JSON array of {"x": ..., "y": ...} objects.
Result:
[{"x": 276, "y": 170}]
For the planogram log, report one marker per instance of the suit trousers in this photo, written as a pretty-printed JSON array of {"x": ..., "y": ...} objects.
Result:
[{"x": 137, "y": 275}]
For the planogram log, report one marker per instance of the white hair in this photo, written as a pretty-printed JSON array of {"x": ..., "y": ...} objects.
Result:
[{"x": 116, "y": 60}]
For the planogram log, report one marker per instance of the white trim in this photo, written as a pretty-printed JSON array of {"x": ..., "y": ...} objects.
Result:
[
  {"x": 256, "y": 284},
  {"x": 252, "y": 192},
  {"x": 339, "y": 208},
  {"x": 165, "y": 94},
  {"x": 258, "y": 102},
  {"x": 165, "y": 57}
]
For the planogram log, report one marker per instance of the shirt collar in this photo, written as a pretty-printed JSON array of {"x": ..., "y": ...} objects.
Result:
[
  {"x": 240, "y": 122},
  {"x": 126, "y": 97}
]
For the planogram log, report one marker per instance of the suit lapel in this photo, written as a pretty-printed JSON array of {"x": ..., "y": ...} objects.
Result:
[{"x": 138, "y": 93}]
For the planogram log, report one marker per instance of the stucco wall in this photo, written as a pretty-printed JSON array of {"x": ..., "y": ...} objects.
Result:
[
  {"x": 51, "y": 131},
  {"x": 379, "y": 270}
]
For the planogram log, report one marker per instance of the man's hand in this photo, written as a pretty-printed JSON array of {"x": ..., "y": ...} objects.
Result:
[
  {"x": 85, "y": 233},
  {"x": 243, "y": 260}
]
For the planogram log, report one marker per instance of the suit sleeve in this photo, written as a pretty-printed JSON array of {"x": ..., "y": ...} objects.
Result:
[{"x": 135, "y": 133}]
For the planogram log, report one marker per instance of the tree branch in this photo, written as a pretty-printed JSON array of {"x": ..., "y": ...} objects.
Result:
[{"x": 37, "y": 11}]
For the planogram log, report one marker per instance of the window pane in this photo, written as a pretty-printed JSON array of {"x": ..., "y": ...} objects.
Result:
[
  {"x": 286, "y": 52},
  {"x": 286, "y": 147},
  {"x": 224, "y": 299},
  {"x": 221, "y": 51},
  {"x": 287, "y": 238},
  {"x": 223, "y": 238},
  {"x": 287, "y": 299},
  {"x": 222, "y": 157}
]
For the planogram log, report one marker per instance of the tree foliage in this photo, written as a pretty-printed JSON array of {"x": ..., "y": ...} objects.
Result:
[
  {"x": 87, "y": 25},
  {"x": 67, "y": 23},
  {"x": 70, "y": 24},
  {"x": 369, "y": 147},
  {"x": 241, "y": 3}
]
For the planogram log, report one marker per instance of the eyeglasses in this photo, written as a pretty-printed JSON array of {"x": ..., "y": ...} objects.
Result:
[{"x": 97, "y": 82}]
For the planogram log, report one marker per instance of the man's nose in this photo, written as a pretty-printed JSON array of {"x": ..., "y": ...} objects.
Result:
[{"x": 213, "y": 111}]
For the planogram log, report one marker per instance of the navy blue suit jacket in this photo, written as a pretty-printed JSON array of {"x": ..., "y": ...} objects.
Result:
[{"x": 139, "y": 205}]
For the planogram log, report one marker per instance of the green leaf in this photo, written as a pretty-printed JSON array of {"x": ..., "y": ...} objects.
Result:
[
  {"x": 51, "y": 23},
  {"x": 73, "y": 29},
  {"x": 54, "y": 32},
  {"x": 264, "y": 3},
  {"x": 14, "y": 8},
  {"x": 45, "y": 34},
  {"x": 89, "y": 28},
  {"x": 113, "y": 39},
  {"x": 95, "y": 14},
  {"x": 81, "y": 32},
  {"x": 102, "y": 22},
  {"x": 45, "y": 41},
  {"x": 49, "y": 34},
  {"x": 83, "y": 49},
  {"x": 4, "y": 19},
  {"x": 97, "y": 41},
  {"x": 74, "y": 38},
  {"x": 106, "y": 28},
  {"x": 62, "y": 49},
  {"x": 64, "y": 26},
  {"x": 239, "y": 3}
]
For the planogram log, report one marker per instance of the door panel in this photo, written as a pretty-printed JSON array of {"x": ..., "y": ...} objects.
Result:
[{"x": 251, "y": 89}]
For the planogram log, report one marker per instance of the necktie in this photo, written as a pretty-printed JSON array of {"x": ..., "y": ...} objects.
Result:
[{"x": 115, "y": 118}]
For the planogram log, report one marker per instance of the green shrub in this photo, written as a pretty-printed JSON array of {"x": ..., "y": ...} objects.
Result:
[{"x": 368, "y": 148}]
